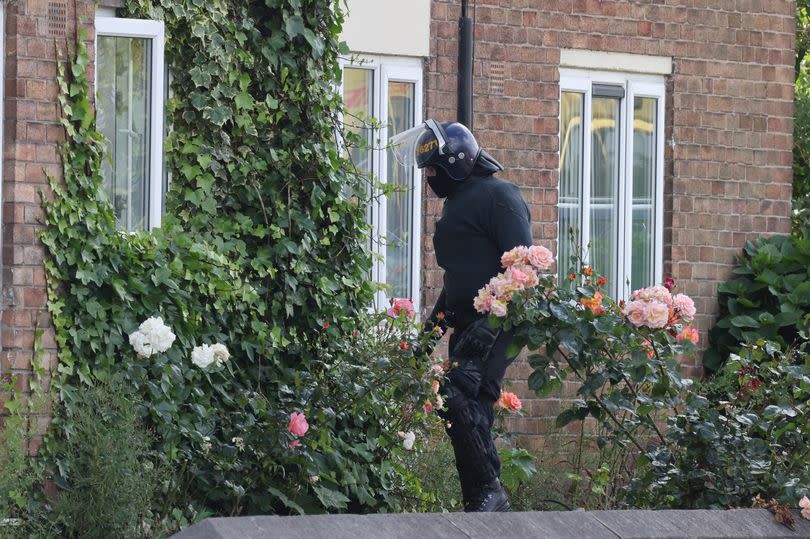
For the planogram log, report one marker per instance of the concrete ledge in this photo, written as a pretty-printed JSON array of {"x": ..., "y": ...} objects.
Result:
[{"x": 703, "y": 524}]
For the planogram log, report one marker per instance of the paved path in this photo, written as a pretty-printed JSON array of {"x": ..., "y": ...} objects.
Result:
[{"x": 734, "y": 524}]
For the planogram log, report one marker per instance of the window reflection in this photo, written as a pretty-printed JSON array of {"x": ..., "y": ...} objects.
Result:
[{"x": 124, "y": 81}]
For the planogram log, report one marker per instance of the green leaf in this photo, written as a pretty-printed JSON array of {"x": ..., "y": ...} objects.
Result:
[
  {"x": 744, "y": 321},
  {"x": 294, "y": 26},
  {"x": 244, "y": 101},
  {"x": 218, "y": 115},
  {"x": 330, "y": 498},
  {"x": 286, "y": 500}
]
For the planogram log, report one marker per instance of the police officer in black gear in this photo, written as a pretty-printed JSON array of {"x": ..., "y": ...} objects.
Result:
[{"x": 483, "y": 216}]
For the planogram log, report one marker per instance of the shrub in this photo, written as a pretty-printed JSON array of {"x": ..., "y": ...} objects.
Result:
[
  {"x": 108, "y": 481},
  {"x": 745, "y": 434},
  {"x": 17, "y": 477},
  {"x": 768, "y": 299}
]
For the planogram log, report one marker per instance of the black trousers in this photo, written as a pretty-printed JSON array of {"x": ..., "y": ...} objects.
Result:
[{"x": 469, "y": 413}]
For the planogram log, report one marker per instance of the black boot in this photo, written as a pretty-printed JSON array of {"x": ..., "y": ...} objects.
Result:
[{"x": 488, "y": 499}]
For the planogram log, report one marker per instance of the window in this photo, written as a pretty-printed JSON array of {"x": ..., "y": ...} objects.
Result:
[
  {"x": 390, "y": 91},
  {"x": 611, "y": 175},
  {"x": 129, "y": 86}
]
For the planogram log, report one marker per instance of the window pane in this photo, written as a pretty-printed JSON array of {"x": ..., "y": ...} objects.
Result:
[
  {"x": 358, "y": 102},
  {"x": 571, "y": 159},
  {"x": 124, "y": 81},
  {"x": 399, "y": 232},
  {"x": 604, "y": 187},
  {"x": 358, "y": 93},
  {"x": 644, "y": 165}
]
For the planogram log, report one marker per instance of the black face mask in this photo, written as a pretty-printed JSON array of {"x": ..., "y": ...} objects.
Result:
[{"x": 442, "y": 184}]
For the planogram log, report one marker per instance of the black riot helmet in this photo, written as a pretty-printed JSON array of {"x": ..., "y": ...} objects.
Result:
[{"x": 448, "y": 145}]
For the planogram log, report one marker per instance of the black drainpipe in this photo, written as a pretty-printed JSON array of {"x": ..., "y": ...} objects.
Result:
[{"x": 465, "y": 68}]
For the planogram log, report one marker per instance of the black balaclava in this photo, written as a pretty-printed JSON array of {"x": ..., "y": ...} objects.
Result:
[{"x": 442, "y": 184}]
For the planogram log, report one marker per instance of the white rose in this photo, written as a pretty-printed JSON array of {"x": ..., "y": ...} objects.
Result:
[
  {"x": 408, "y": 440},
  {"x": 163, "y": 339},
  {"x": 152, "y": 337},
  {"x": 141, "y": 344},
  {"x": 220, "y": 353},
  {"x": 151, "y": 325},
  {"x": 202, "y": 356}
]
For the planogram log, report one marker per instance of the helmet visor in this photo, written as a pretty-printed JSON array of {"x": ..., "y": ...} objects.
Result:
[{"x": 404, "y": 145}]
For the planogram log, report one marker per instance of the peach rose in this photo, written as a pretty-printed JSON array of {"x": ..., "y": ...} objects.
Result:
[
  {"x": 513, "y": 256},
  {"x": 653, "y": 293},
  {"x": 688, "y": 333},
  {"x": 685, "y": 307},
  {"x": 540, "y": 257},
  {"x": 509, "y": 401},
  {"x": 498, "y": 308},
  {"x": 522, "y": 276},
  {"x": 636, "y": 312},
  {"x": 804, "y": 503},
  {"x": 657, "y": 314},
  {"x": 483, "y": 301},
  {"x": 504, "y": 285}
]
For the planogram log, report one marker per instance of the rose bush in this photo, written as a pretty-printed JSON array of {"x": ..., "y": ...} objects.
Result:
[
  {"x": 741, "y": 435},
  {"x": 624, "y": 355},
  {"x": 745, "y": 433}
]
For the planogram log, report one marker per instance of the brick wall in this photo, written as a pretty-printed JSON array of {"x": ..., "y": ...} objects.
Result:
[
  {"x": 35, "y": 30},
  {"x": 729, "y": 123}
]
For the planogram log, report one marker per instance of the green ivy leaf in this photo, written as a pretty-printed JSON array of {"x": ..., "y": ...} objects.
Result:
[{"x": 294, "y": 26}]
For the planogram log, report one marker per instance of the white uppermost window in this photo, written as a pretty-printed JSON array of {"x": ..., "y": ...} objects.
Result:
[
  {"x": 389, "y": 90},
  {"x": 612, "y": 175},
  {"x": 129, "y": 87}
]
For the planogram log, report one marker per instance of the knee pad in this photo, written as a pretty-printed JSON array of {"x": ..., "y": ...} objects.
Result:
[
  {"x": 461, "y": 410},
  {"x": 466, "y": 377}
]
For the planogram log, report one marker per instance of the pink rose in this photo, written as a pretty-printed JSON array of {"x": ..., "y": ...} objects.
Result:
[
  {"x": 516, "y": 255},
  {"x": 657, "y": 314},
  {"x": 520, "y": 276},
  {"x": 427, "y": 407},
  {"x": 528, "y": 275},
  {"x": 540, "y": 257},
  {"x": 298, "y": 424},
  {"x": 498, "y": 308},
  {"x": 684, "y": 306},
  {"x": 636, "y": 312},
  {"x": 293, "y": 444},
  {"x": 688, "y": 333},
  {"x": 399, "y": 306}
]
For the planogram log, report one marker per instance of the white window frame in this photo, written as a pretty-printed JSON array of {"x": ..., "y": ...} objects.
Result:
[
  {"x": 154, "y": 30},
  {"x": 2, "y": 99},
  {"x": 635, "y": 85},
  {"x": 392, "y": 69}
]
